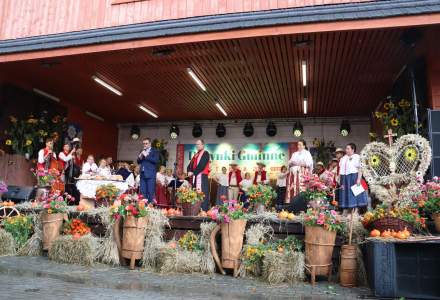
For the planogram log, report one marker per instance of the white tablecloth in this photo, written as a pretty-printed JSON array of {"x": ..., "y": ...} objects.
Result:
[{"x": 88, "y": 187}]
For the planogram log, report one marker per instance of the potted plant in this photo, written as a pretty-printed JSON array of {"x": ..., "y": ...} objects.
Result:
[
  {"x": 54, "y": 209},
  {"x": 20, "y": 227},
  {"x": 260, "y": 196},
  {"x": 321, "y": 224},
  {"x": 315, "y": 189},
  {"x": 45, "y": 178},
  {"x": 190, "y": 200},
  {"x": 106, "y": 194},
  {"x": 133, "y": 209},
  {"x": 232, "y": 218},
  {"x": 430, "y": 200}
]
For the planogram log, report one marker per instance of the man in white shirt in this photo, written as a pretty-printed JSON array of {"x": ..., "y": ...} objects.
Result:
[
  {"x": 89, "y": 167},
  {"x": 281, "y": 186},
  {"x": 222, "y": 189}
]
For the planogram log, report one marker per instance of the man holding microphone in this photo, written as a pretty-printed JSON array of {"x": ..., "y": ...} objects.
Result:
[{"x": 147, "y": 160}]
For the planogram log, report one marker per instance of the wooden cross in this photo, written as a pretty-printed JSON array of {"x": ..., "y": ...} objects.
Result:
[{"x": 390, "y": 136}]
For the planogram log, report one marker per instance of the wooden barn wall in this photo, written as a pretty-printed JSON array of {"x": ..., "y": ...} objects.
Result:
[{"x": 25, "y": 18}]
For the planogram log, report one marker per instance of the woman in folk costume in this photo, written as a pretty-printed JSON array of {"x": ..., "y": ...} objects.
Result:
[
  {"x": 161, "y": 185},
  {"x": 350, "y": 174},
  {"x": 260, "y": 176},
  {"x": 198, "y": 169},
  {"x": 46, "y": 156},
  {"x": 301, "y": 165}
]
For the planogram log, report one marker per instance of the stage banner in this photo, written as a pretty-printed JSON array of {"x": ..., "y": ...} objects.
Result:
[{"x": 274, "y": 155}]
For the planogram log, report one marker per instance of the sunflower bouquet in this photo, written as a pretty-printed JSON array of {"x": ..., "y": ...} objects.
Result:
[
  {"x": 190, "y": 241},
  {"x": 396, "y": 115},
  {"x": 20, "y": 227},
  {"x": 188, "y": 195}
]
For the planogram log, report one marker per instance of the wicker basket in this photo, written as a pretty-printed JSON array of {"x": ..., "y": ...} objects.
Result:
[{"x": 391, "y": 223}]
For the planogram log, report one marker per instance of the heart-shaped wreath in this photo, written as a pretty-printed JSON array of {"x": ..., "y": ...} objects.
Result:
[{"x": 394, "y": 170}]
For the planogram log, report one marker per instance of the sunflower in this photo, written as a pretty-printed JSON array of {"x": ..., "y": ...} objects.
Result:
[
  {"x": 394, "y": 122},
  {"x": 384, "y": 115},
  {"x": 410, "y": 154},
  {"x": 404, "y": 103},
  {"x": 28, "y": 142},
  {"x": 8, "y": 142},
  {"x": 386, "y": 106},
  {"x": 378, "y": 114},
  {"x": 374, "y": 160}
]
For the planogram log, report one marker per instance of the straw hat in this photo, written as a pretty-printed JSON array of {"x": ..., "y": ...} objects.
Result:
[
  {"x": 320, "y": 163},
  {"x": 339, "y": 150},
  {"x": 260, "y": 164},
  {"x": 233, "y": 164}
]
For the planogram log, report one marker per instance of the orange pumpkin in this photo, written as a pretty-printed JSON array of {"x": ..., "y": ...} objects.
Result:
[
  {"x": 202, "y": 213},
  {"x": 386, "y": 234},
  {"x": 375, "y": 233},
  {"x": 406, "y": 232},
  {"x": 401, "y": 235},
  {"x": 171, "y": 212}
]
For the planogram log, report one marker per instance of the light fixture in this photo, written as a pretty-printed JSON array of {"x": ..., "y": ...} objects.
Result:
[
  {"x": 305, "y": 102},
  {"x": 148, "y": 111},
  {"x": 196, "y": 79},
  {"x": 47, "y": 95},
  {"x": 174, "y": 132},
  {"x": 345, "y": 128},
  {"x": 271, "y": 129},
  {"x": 197, "y": 130},
  {"x": 248, "y": 129},
  {"x": 94, "y": 116},
  {"x": 297, "y": 129},
  {"x": 304, "y": 72},
  {"x": 135, "y": 132},
  {"x": 107, "y": 85},
  {"x": 220, "y": 131},
  {"x": 221, "y": 109}
]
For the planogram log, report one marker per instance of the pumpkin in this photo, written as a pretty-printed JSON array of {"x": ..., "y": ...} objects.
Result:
[
  {"x": 386, "y": 234},
  {"x": 375, "y": 233},
  {"x": 76, "y": 236},
  {"x": 80, "y": 207},
  {"x": 406, "y": 232},
  {"x": 401, "y": 235},
  {"x": 393, "y": 233},
  {"x": 178, "y": 212},
  {"x": 171, "y": 212},
  {"x": 283, "y": 215},
  {"x": 290, "y": 216},
  {"x": 202, "y": 213}
]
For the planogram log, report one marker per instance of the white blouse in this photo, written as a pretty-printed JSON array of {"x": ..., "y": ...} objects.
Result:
[
  {"x": 104, "y": 172},
  {"x": 246, "y": 184},
  {"x": 281, "y": 179},
  {"x": 89, "y": 168},
  {"x": 301, "y": 158},
  {"x": 160, "y": 178},
  {"x": 222, "y": 179},
  {"x": 349, "y": 164}
]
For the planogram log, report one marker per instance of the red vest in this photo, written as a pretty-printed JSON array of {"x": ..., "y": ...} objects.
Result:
[
  {"x": 237, "y": 176},
  {"x": 196, "y": 162},
  {"x": 41, "y": 166},
  {"x": 263, "y": 176},
  {"x": 61, "y": 162}
]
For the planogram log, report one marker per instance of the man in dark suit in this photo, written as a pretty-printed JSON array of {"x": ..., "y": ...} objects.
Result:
[
  {"x": 147, "y": 160},
  {"x": 198, "y": 170}
]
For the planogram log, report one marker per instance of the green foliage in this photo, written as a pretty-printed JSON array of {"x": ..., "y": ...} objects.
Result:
[
  {"x": 20, "y": 227},
  {"x": 190, "y": 241}
]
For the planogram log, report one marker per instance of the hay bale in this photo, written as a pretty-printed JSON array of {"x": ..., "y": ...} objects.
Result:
[
  {"x": 82, "y": 251},
  {"x": 256, "y": 233},
  {"x": 34, "y": 245},
  {"x": 107, "y": 251},
  {"x": 178, "y": 261},
  {"x": 7, "y": 244},
  {"x": 154, "y": 232},
  {"x": 207, "y": 264},
  {"x": 283, "y": 267}
]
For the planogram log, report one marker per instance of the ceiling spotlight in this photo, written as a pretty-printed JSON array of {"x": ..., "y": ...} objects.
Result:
[
  {"x": 197, "y": 130},
  {"x": 220, "y": 131},
  {"x": 148, "y": 111},
  {"x": 196, "y": 79},
  {"x": 271, "y": 129},
  {"x": 174, "y": 132},
  {"x": 135, "y": 132},
  {"x": 345, "y": 128},
  {"x": 298, "y": 129},
  {"x": 248, "y": 129},
  {"x": 107, "y": 85}
]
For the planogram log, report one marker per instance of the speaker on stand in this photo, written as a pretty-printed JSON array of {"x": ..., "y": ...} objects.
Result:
[{"x": 434, "y": 138}]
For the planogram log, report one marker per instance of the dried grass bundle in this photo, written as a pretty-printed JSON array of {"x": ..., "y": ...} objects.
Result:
[
  {"x": 7, "y": 244},
  {"x": 283, "y": 267},
  {"x": 107, "y": 251},
  {"x": 154, "y": 232},
  {"x": 34, "y": 245},
  {"x": 258, "y": 232},
  {"x": 82, "y": 251},
  {"x": 207, "y": 264},
  {"x": 179, "y": 261}
]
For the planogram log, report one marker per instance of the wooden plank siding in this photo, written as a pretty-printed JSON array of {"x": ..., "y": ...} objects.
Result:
[{"x": 26, "y": 18}]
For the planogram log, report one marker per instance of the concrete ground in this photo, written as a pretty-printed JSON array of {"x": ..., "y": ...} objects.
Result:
[{"x": 38, "y": 278}]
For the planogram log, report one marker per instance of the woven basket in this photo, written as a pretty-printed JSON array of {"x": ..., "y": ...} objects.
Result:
[{"x": 391, "y": 223}]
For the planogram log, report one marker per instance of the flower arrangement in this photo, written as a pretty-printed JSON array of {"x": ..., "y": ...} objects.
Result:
[
  {"x": 261, "y": 194},
  {"x": 314, "y": 188},
  {"x": 46, "y": 177},
  {"x": 429, "y": 199},
  {"x": 323, "y": 216},
  {"x": 76, "y": 227},
  {"x": 409, "y": 214},
  {"x": 190, "y": 241},
  {"x": 396, "y": 115},
  {"x": 20, "y": 227},
  {"x": 56, "y": 202},
  {"x": 129, "y": 205},
  {"x": 229, "y": 210},
  {"x": 188, "y": 195},
  {"x": 3, "y": 187},
  {"x": 106, "y": 193}
]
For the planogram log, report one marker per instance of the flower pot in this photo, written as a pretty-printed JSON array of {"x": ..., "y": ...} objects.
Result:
[
  {"x": 319, "y": 244},
  {"x": 189, "y": 209},
  {"x": 133, "y": 238},
  {"x": 348, "y": 268},
  {"x": 232, "y": 243},
  {"x": 436, "y": 218},
  {"x": 52, "y": 224}
]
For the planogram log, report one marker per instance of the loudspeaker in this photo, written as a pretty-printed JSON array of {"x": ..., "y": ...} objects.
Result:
[
  {"x": 19, "y": 193},
  {"x": 434, "y": 137}
]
